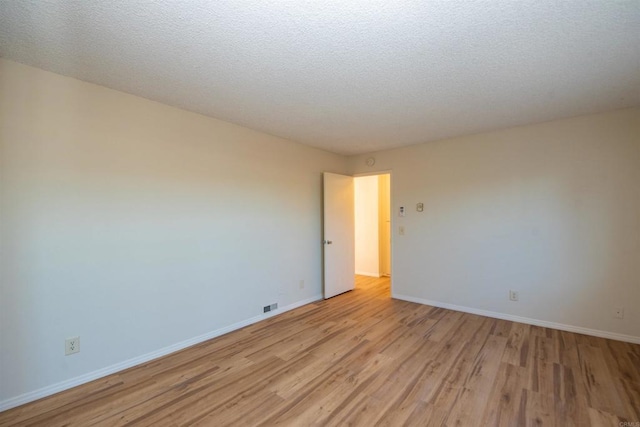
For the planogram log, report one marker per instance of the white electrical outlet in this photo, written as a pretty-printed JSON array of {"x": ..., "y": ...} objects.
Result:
[
  {"x": 618, "y": 313},
  {"x": 401, "y": 230},
  {"x": 71, "y": 345},
  {"x": 513, "y": 295},
  {"x": 301, "y": 285}
]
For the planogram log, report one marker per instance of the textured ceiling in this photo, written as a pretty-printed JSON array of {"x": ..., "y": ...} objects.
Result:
[{"x": 346, "y": 76}]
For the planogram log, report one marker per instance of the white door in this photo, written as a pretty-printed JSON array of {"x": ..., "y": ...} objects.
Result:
[{"x": 339, "y": 235}]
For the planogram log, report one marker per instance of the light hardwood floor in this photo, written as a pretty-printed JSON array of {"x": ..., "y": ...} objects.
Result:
[{"x": 363, "y": 359}]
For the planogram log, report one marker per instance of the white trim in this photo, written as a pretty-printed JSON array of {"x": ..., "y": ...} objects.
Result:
[
  {"x": 91, "y": 376},
  {"x": 526, "y": 320},
  {"x": 365, "y": 273}
]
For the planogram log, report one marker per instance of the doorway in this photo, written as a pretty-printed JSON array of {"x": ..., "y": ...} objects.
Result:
[{"x": 372, "y": 211}]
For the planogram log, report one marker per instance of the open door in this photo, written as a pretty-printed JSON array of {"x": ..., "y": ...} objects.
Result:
[{"x": 339, "y": 235}]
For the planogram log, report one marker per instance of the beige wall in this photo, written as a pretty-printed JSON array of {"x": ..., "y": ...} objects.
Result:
[
  {"x": 138, "y": 226},
  {"x": 551, "y": 211},
  {"x": 384, "y": 223},
  {"x": 366, "y": 226}
]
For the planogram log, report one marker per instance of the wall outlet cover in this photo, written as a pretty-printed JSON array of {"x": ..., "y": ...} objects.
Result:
[{"x": 71, "y": 345}]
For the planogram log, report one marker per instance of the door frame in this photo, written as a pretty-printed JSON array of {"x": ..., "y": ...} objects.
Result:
[{"x": 391, "y": 217}]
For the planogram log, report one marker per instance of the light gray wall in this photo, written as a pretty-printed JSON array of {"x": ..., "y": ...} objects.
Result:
[{"x": 138, "y": 226}]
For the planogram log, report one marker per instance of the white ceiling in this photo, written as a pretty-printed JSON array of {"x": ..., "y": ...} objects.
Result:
[{"x": 348, "y": 76}]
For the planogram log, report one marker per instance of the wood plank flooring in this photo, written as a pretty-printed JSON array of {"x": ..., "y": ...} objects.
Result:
[{"x": 364, "y": 359}]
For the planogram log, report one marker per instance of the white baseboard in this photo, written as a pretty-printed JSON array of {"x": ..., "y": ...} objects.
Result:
[
  {"x": 519, "y": 319},
  {"x": 366, "y": 273},
  {"x": 100, "y": 373}
]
